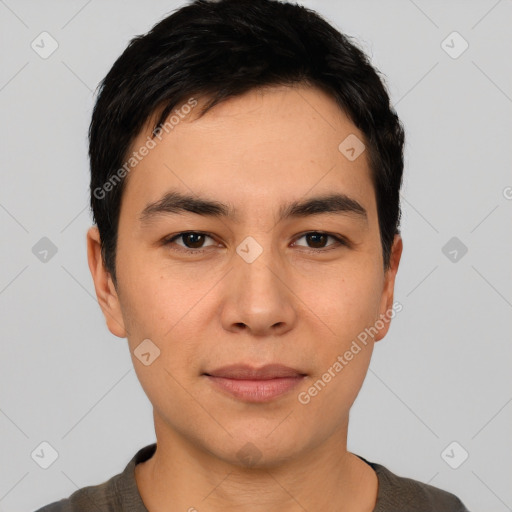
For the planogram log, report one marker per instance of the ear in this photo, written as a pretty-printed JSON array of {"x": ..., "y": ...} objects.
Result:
[
  {"x": 386, "y": 306},
  {"x": 104, "y": 286}
]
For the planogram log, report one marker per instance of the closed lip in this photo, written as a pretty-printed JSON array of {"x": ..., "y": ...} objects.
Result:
[{"x": 247, "y": 372}]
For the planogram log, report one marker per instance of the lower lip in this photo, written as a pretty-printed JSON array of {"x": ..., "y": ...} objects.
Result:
[{"x": 256, "y": 390}]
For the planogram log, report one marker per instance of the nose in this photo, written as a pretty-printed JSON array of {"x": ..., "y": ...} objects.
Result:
[{"x": 258, "y": 295}]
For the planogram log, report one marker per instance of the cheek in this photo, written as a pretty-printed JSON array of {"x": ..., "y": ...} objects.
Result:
[
  {"x": 153, "y": 298},
  {"x": 335, "y": 394},
  {"x": 163, "y": 307},
  {"x": 349, "y": 305},
  {"x": 346, "y": 301}
]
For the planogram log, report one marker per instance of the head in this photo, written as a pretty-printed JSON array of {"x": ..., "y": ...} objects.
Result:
[{"x": 266, "y": 132}]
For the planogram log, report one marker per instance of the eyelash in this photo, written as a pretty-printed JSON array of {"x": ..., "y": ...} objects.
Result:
[{"x": 340, "y": 241}]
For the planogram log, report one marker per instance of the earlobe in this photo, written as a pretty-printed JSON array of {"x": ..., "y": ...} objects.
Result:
[
  {"x": 105, "y": 290},
  {"x": 386, "y": 308}
]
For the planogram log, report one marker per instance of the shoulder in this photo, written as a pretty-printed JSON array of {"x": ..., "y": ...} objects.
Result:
[
  {"x": 94, "y": 497},
  {"x": 396, "y": 491},
  {"x": 116, "y": 494}
]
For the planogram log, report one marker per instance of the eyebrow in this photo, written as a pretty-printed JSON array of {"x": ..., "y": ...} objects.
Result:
[{"x": 174, "y": 202}]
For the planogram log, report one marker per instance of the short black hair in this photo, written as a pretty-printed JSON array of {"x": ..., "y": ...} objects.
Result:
[{"x": 220, "y": 49}]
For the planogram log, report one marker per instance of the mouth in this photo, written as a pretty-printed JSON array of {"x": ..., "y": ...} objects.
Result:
[{"x": 255, "y": 385}]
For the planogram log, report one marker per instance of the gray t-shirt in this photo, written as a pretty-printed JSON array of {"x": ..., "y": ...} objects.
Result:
[{"x": 120, "y": 493}]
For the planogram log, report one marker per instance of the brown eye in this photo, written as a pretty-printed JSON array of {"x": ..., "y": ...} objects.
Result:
[
  {"x": 317, "y": 240},
  {"x": 192, "y": 241}
]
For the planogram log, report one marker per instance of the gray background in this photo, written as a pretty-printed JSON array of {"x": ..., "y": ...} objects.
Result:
[{"x": 442, "y": 374}]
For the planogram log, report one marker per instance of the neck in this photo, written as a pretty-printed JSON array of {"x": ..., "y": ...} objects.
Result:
[{"x": 182, "y": 477}]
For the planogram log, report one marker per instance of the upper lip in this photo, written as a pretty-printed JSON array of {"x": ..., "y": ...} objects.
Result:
[{"x": 247, "y": 372}]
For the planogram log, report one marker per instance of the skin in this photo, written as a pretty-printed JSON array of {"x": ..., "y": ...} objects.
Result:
[{"x": 289, "y": 306}]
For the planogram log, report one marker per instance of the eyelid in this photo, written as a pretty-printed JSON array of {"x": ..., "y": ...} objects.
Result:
[
  {"x": 340, "y": 241},
  {"x": 170, "y": 239}
]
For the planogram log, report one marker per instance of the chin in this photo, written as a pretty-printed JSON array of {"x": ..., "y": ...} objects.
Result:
[{"x": 259, "y": 450}]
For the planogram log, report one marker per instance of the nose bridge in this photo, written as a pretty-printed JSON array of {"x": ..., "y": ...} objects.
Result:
[
  {"x": 257, "y": 262},
  {"x": 258, "y": 297}
]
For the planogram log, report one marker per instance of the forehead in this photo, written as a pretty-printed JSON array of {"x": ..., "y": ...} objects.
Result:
[{"x": 254, "y": 149}]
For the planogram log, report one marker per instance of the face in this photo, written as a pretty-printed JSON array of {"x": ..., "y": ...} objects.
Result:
[{"x": 261, "y": 280}]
